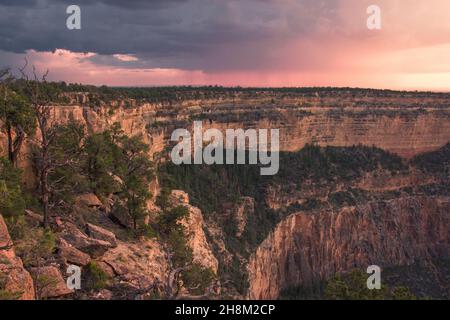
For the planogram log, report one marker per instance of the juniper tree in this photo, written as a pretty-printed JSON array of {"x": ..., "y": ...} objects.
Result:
[
  {"x": 136, "y": 174},
  {"x": 40, "y": 96}
]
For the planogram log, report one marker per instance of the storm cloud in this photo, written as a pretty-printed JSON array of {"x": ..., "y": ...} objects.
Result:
[
  {"x": 242, "y": 42},
  {"x": 186, "y": 34}
]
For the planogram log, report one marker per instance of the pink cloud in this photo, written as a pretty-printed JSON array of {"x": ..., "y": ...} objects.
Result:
[{"x": 412, "y": 51}]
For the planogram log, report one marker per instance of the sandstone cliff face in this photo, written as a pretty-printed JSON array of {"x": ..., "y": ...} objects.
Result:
[
  {"x": 305, "y": 248},
  {"x": 395, "y": 133},
  {"x": 402, "y": 129},
  {"x": 195, "y": 236},
  {"x": 15, "y": 279}
]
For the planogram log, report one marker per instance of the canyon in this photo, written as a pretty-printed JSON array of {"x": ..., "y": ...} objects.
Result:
[{"x": 391, "y": 217}]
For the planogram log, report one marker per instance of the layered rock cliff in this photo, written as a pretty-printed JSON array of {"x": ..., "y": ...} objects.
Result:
[
  {"x": 400, "y": 123},
  {"x": 310, "y": 247}
]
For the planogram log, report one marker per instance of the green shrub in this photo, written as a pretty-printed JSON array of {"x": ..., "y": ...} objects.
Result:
[
  {"x": 96, "y": 278},
  {"x": 353, "y": 286},
  {"x": 12, "y": 202},
  {"x": 197, "y": 278},
  {"x": 6, "y": 294}
]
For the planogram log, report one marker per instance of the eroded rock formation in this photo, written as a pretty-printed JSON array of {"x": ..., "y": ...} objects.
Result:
[
  {"x": 309, "y": 247},
  {"x": 399, "y": 124},
  {"x": 195, "y": 235}
]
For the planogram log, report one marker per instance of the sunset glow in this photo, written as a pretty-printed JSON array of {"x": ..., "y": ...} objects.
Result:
[{"x": 274, "y": 43}]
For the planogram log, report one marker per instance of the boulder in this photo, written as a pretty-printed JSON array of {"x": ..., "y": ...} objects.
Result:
[
  {"x": 99, "y": 233},
  {"x": 120, "y": 217},
  {"x": 89, "y": 199},
  {"x": 50, "y": 282},
  {"x": 15, "y": 281},
  {"x": 33, "y": 219},
  {"x": 106, "y": 268},
  {"x": 94, "y": 247},
  {"x": 72, "y": 255}
]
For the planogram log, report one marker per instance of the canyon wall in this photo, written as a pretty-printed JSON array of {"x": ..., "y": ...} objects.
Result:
[
  {"x": 406, "y": 132},
  {"x": 397, "y": 133},
  {"x": 308, "y": 247}
]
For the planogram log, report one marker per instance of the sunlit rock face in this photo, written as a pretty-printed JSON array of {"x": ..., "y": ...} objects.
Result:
[
  {"x": 306, "y": 248},
  {"x": 193, "y": 228},
  {"x": 404, "y": 123},
  {"x": 15, "y": 279}
]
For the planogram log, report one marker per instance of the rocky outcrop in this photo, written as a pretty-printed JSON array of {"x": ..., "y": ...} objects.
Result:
[
  {"x": 195, "y": 235},
  {"x": 134, "y": 268},
  {"x": 49, "y": 282},
  {"x": 245, "y": 207},
  {"x": 100, "y": 233},
  {"x": 89, "y": 199},
  {"x": 71, "y": 255},
  {"x": 94, "y": 247},
  {"x": 308, "y": 247},
  {"x": 15, "y": 281},
  {"x": 178, "y": 198},
  {"x": 141, "y": 265}
]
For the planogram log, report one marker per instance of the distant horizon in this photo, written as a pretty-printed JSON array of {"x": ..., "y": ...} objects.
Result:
[
  {"x": 254, "y": 87},
  {"x": 284, "y": 87}
]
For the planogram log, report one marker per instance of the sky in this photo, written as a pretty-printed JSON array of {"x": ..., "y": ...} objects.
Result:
[{"x": 232, "y": 42}]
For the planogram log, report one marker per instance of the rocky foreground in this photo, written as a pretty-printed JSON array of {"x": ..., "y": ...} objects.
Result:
[{"x": 136, "y": 269}]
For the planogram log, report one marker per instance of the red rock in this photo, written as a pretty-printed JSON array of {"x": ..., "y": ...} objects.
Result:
[
  {"x": 16, "y": 280},
  {"x": 50, "y": 282},
  {"x": 100, "y": 233}
]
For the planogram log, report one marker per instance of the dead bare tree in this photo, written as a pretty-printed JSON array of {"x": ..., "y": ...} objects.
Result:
[
  {"x": 40, "y": 100},
  {"x": 172, "y": 288}
]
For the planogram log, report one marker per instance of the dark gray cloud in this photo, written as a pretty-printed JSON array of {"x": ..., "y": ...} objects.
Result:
[
  {"x": 187, "y": 34},
  {"x": 15, "y": 3},
  {"x": 126, "y": 4}
]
